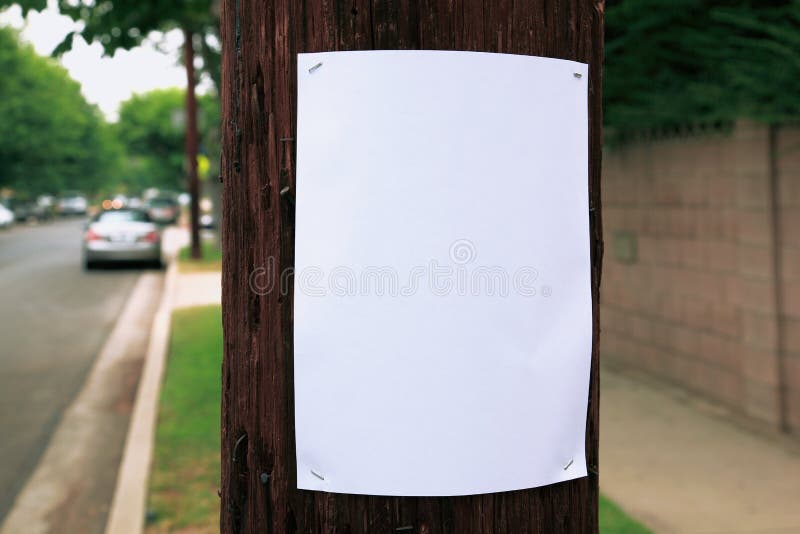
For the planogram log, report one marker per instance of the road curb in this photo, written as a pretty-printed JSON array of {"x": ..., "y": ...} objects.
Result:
[{"x": 129, "y": 503}]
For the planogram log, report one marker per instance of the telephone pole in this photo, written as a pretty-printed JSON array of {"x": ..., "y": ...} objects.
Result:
[
  {"x": 192, "y": 142},
  {"x": 261, "y": 40}
]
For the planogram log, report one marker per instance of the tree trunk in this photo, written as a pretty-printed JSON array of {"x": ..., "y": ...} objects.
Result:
[
  {"x": 260, "y": 41},
  {"x": 192, "y": 143}
]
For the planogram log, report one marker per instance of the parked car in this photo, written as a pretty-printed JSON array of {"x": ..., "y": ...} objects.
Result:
[
  {"x": 207, "y": 221},
  {"x": 119, "y": 201},
  {"x": 163, "y": 210},
  {"x": 43, "y": 210},
  {"x": 121, "y": 235},
  {"x": 6, "y": 217},
  {"x": 72, "y": 203},
  {"x": 22, "y": 209}
]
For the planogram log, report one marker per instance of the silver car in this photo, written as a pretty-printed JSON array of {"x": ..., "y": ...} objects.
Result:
[
  {"x": 121, "y": 235},
  {"x": 163, "y": 210},
  {"x": 72, "y": 204},
  {"x": 6, "y": 217}
]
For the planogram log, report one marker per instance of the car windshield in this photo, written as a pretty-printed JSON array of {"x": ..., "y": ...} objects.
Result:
[
  {"x": 122, "y": 216},
  {"x": 161, "y": 202}
]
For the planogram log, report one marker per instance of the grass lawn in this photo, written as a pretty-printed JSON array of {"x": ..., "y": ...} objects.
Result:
[
  {"x": 614, "y": 521},
  {"x": 186, "y": 471},
  {"x": 211, "y": 261}
]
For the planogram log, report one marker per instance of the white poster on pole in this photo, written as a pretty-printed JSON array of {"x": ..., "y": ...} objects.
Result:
[{"x": 443, "y": 316}]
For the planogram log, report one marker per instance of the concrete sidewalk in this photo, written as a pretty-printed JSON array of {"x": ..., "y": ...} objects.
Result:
[
  {"x": 197, "y": 289},
  {"x": 128, "y": 507},
  {"x": 680, "y": 465}
]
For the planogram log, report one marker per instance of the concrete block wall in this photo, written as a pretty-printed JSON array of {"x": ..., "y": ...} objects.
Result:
[
  {"x": 788, "y": 167},
  {"x": 689, "y": 287}
]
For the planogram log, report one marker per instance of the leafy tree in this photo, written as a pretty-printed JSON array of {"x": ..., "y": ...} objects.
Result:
[
  {"x": 671, "y": 63},
  {"x": 151, "y": 127},
  {"x": 26, "y": 5},
  {"x": 51, "y": 138},
  {"x": 124, "y": 24},
  {"x": 760, "y": 57}
]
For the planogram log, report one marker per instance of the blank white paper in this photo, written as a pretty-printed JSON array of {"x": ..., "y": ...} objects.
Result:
[{"x": 443, "y": 316}]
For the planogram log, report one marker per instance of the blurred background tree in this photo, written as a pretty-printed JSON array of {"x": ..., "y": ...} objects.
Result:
[
  {"x": 151, "y": 130},
  {"x": 26, "y": 5},
  {"x": 52, "y": 139},
  {"x": 125, "y": 24},
  {"x": 676, "y": 63}
]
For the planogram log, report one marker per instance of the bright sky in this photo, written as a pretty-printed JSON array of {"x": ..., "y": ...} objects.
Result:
[{"x": 105, "y": 81}]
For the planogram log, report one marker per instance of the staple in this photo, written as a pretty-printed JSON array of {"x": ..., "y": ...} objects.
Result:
[
  {"x": 285, "y": 139},
  {"x": 317, "y": 475},
  {"x": 315, "y": 67},
  {"x": 569, "y": 463},
  {"x": 576, "y": 74},
  {"x": 239, "y": 441},
  {"x": 284, "y": 190}
]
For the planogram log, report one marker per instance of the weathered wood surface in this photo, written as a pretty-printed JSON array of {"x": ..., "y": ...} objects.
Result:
[{"x": 260, "y": 41}]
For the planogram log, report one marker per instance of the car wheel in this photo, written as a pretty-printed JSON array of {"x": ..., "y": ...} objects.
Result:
[{"x": 88, "y": 265}]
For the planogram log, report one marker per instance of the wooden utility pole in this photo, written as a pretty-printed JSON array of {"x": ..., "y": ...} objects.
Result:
[
  {"x": 261, "y": 40},
  {"x": 192, "y": 142}
]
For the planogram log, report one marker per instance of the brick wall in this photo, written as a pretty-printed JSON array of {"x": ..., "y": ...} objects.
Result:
[{"x": 689, "y": 284}]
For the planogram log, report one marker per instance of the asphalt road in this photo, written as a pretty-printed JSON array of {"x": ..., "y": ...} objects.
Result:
[{"x": 54, "y": 319}]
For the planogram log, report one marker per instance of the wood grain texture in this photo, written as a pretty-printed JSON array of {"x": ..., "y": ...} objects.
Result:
[{"x": 261, "y": 39}]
